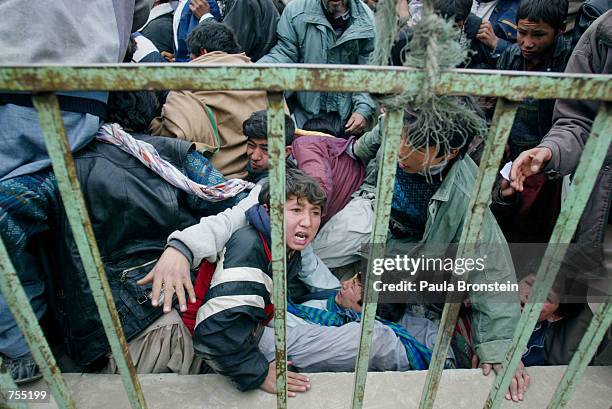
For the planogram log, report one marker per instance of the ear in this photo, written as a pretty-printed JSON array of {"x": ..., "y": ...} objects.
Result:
[
  {"x": 265, "y": 206},
  {"x": 288, "y": 150}
]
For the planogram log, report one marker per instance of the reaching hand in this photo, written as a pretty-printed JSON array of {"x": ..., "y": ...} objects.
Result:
[
  {"x": 171, "y": 276},
  {"x": 199, "y": 8},
  {"x": 528, "y": 163},
  {"x": 355, "y": 124},
  {"x": 487, "y": 36},
  {"x": 519, "y": 383},
  {"x": 295, "y": 381}
]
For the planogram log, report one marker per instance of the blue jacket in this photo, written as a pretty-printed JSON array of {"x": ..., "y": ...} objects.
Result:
[{"x": 186, "y": 25}]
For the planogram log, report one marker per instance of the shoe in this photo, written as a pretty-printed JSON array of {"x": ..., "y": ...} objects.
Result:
[{"x": 23, "y": 369}]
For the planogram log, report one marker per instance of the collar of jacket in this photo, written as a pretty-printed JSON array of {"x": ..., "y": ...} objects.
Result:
[
  {"x": 362, "y": 23},
  {"x": 446, "y": 188},
  {"x": 220, "y": 57}
]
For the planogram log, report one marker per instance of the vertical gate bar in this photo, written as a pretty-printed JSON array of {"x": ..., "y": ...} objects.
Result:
[
  {"x": 505, "y": 111},
  {"x": 54, "y": 133},
  {"x": 592, "y": 158},
  {"x": 586, "y": 350},
  {"x": 384, "y": 194},
  {"x": 7, "y": 384},
  {"x": 22, "y": 311},
  {"x": 276, "y": 148}
]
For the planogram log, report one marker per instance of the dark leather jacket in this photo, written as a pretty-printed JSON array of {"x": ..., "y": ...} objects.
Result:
[{"x": 132, "y": 212}]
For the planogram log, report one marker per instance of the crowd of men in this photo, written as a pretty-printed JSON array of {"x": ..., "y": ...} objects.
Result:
[{"x": 176, "y": 185}]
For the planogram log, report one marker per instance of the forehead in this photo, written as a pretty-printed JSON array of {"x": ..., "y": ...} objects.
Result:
[
  {"x": 257, "y": 141},
  {"x": 301, "y": 201},
  {"x": 526, "y": 24}
]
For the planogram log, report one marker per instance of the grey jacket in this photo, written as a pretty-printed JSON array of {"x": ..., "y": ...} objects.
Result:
[{"x": 573, "y": 120}]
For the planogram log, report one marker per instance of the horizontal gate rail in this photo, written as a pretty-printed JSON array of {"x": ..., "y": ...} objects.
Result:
[{"x": 512, "y": 85}]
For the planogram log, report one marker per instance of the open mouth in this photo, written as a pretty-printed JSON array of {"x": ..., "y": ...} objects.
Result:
[{"x": 300, "y": 238}]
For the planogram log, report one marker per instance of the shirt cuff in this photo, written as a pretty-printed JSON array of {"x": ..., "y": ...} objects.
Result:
[
  {"x": 182, "y": 248},
  {"x": 493, "y": 352},
  {"x": 206, "y": 17}
]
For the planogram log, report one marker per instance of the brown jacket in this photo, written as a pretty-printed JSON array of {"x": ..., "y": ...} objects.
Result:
[
  {"x": 572, "y": 124},
  {"x": 184, "y": 116}
]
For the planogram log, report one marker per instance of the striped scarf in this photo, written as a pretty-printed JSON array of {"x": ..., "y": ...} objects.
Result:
[
  {"x": 418, "y": 354},
  {"x": 148, "y": 156}
]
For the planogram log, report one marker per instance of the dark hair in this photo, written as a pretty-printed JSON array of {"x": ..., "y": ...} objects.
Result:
[
  {"x": 131, "y": 49},
  {"x": 464, "y": 119},
  {"x": 256, "y": 126},
  {"x": 133, "y": 110},
  {"x": 212, "y": 36},
  {"x": 551, "y": 12},
  {"x": 298, "y": 185},
  {"x": 458, "y": 10}
]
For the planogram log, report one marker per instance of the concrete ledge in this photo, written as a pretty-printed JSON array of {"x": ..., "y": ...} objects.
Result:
[{"x": 459, "y": 389}]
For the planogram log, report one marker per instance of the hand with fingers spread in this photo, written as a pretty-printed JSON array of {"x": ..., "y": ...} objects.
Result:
[
  {"x": 355, "y": 124},
  {"x": 519, "y": 383},
  {"x": 199, "y": 8},
  {"x": 172, "y": 273},
  {"x": 527, "y": 164},
  {"x": 295, "y": 382},
  {"x": 486, "y": 35}
]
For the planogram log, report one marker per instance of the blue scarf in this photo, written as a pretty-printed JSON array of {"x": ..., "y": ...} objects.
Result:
[{"x": 418, "y": 354}]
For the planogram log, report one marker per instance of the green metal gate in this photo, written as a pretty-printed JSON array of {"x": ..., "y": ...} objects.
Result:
[{"x": 509, "y": 87}]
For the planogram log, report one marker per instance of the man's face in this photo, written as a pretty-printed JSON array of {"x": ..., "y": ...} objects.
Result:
[
  {"x": 336, "y": 7},
  {"x": 302, "y": 220},
  {"x": 551, "y": 305},
  {"x": 413, "y": 160},
  {"x": 349, "y": 295},
  {"x": 535, "y": 39},
  {"x": 257, "y": 151}
]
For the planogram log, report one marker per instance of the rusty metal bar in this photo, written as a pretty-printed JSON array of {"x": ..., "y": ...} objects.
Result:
[
  {"x": 592, "y": 158},
  {"x": 512, "y": 85},
  {"x": 384, "y": 194},
  {"x": 276, "y": 149},
  {"x": 503, "y": 119},
  {"x": 586, "y": 350},
  {"x": 52, "y": 126},
  {"x": 7, "y": 384},
  {"x": 22, "y": 311}
]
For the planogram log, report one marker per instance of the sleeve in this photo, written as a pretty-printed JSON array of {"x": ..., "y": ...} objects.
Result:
[
  {"x": 362, "y": 101},
  {"x": 367, "y": 146},
  {"x": 208, "y": 238},
  {"x": 495, "y": 313},
  {"x": 572, "y": 119},
  {"x": 315, "y": 274},
  {"x": 228, "y": 341},
  {"x": 287, "y": 48},
  {"x": 229, "y": 322}
]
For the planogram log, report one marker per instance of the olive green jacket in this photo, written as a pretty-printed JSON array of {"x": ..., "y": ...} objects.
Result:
[{"x": 496, "y": 314}]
